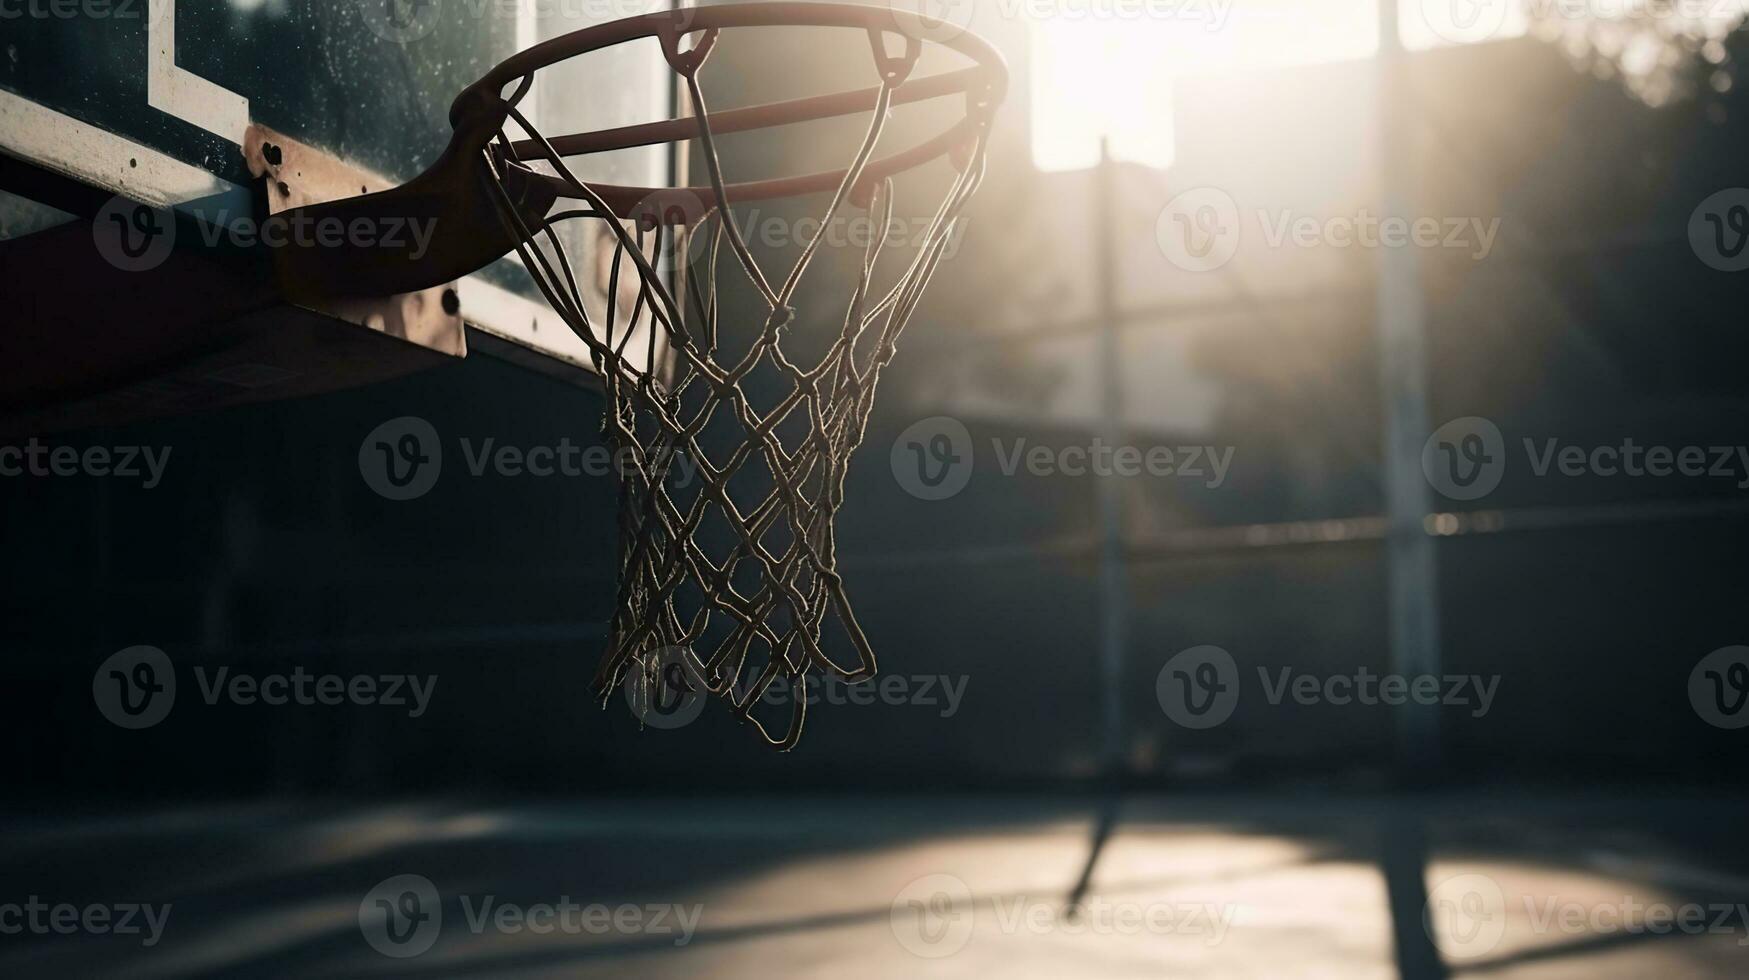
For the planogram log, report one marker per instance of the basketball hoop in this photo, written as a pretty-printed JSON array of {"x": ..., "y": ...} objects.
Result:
[{"x": 511, "y": 194}]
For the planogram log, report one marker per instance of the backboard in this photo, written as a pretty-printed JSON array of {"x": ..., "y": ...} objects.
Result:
[{"x": 152, "y": 100}]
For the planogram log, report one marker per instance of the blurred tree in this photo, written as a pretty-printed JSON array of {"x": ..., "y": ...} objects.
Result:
[{"x": 1662, "y": 50}]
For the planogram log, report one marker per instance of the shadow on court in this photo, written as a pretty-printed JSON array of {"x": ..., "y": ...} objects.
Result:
[{"x": 1205, "y": 886}]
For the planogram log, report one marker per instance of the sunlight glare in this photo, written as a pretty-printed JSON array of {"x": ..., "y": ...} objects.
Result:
[{"x": 1108, "y": 76}]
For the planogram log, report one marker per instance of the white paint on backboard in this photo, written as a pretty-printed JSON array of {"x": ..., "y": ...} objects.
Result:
[
  {"x": 99, "y": 158},
  {"x": 182, "y": 93}
]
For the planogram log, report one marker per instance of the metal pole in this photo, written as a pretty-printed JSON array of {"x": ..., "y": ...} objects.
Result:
[
  {"x": 1411, "y": 573},
  {"x": 1113, "y": 577}
]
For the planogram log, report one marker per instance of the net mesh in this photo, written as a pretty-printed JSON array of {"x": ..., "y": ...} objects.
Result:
[{"x": 743, "y": 591}]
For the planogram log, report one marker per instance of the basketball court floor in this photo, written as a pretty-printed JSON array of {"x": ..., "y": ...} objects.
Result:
[{"x": 1206, "y": 886}]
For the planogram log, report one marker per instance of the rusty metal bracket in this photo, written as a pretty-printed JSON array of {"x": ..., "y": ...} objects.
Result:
[{"x": 297, "y": 176}]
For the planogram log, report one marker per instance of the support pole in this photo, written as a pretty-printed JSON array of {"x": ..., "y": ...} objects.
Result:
[
  {"x": 1113, "y": 575},
  {"x": 1411, "y": 573}
]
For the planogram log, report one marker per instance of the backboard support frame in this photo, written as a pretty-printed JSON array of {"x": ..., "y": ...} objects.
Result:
[{"x": 52, "y": 157}]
